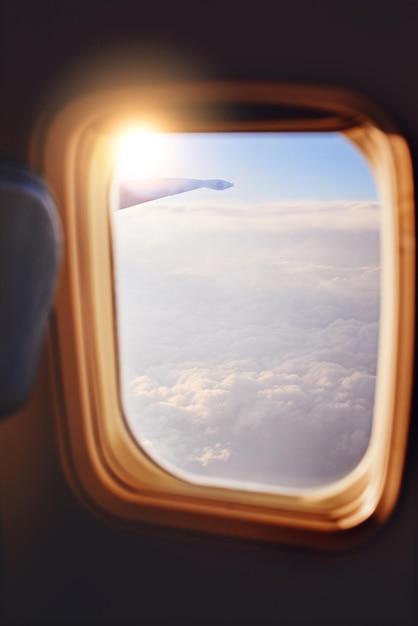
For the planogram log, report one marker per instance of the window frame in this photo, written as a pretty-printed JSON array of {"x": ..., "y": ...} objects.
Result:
[{"x": 102, "y": 461}]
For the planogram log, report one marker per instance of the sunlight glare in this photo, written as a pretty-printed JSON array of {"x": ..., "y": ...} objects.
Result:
[{"x": 140, "y": 153}]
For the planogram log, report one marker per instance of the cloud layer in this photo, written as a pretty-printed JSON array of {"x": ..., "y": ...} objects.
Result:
[{"x": 248, "y": 337}]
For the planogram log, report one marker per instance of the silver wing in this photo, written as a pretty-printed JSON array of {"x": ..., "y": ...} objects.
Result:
[{"x": 132, "y": 192}]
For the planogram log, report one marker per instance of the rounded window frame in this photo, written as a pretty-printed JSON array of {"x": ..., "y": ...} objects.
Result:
[{"x": 103, "y": 462}]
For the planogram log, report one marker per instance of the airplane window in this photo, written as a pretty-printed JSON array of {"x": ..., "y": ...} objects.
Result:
[{"x": 247, "y": 296}]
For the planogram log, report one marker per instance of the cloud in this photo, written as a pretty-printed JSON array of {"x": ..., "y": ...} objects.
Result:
[
  {"x": 210, "y": 453},
  {"x": 250, "y": 354}
]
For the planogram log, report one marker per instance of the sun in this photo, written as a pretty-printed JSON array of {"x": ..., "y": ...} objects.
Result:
[{"x": 141, "y": 153}]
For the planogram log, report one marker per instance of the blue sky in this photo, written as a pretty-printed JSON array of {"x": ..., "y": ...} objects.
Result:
[
  {"x": 264, "y": 167},
  {"x": 287, "y": 167}
]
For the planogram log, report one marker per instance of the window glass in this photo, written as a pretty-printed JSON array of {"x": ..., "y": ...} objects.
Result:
[{"x": 247, "y": 280}]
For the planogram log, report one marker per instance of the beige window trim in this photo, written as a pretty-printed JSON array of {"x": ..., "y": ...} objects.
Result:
[{"x": 103, "y": 462}]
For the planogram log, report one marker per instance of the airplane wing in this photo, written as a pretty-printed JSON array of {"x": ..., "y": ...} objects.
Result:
[{"x": 132, "y": 192}]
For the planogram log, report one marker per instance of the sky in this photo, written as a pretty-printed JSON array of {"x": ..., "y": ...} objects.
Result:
[
  {"x": 248, "y": 318},
  {"x": 269, "y": 167}
]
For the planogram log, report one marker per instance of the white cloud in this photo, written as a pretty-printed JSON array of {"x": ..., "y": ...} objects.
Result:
[
  {"x": 250, "y": 353},
  {"x": 210, "y": 453}
]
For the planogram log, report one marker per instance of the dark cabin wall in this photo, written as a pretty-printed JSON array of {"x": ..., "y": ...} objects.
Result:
[
  {"x": 59, "y": 562},
  {"x": 370, "y": 46}
]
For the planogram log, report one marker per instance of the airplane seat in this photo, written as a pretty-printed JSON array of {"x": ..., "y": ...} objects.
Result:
[{"x": 30, "y": 250}]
